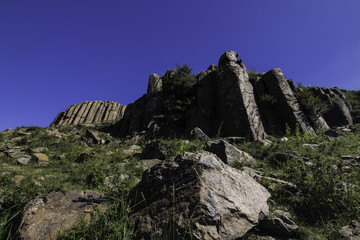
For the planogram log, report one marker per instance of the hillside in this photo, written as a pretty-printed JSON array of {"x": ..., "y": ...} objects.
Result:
[{"x": 223, "y": 154}]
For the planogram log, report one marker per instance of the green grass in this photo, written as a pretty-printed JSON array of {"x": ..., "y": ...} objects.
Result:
[
  {"x": 327, "y": 193},
  {"x": 326, "y": 197}
]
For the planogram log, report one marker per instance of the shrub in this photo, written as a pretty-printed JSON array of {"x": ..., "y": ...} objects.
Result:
[
  {"x": 177, "y": 92},
  {"x": 253, "y": 74},
  {"x": 311, "y": 104}
]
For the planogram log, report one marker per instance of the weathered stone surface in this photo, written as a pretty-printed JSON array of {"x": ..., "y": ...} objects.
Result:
[
  {"x": 17, "y": 179},
  {"x": 219, "y": 201},
  {"x": 39, "y": 149},
  {"x": 287, "y": 107},
  {"x": 89, "y": 112},
  {"x": 198, "y": 134},
  {"x": 228, "y": 153},
  {"x": 42, "y": 159},
  {"x": 133, "y": 149},
  {"x": 24, "y": 160},
  {"x": 339, "y": 110},
  {"x": 351, "y": 231},
  {"x": 44, "y": 217},
  {"x": 94, "y": 137},
  {"x": 279, "y": 225},
  {"x": 237, "y": 109}
]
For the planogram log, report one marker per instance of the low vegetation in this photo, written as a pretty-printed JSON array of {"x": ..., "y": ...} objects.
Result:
[
  {"x": 178, "y": 95},
  {"x": 323, "y": 193}
]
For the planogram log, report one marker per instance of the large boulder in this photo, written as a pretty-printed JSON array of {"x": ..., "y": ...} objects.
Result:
[
  {"x": 44, "y": 217},
  {"x": 237, "y": 109},
  {"x": 200, "y": 192}
]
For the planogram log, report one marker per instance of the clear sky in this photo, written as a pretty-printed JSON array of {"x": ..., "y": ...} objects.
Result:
[{"x": 54, "y": 53}]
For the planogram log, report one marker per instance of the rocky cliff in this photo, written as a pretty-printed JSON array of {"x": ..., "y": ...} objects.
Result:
[
  {"x": 225, "y": 101},
  {"x": 89, "y": 112}
]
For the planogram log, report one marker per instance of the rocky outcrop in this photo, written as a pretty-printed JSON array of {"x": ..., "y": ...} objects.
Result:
[
  {"x": 339, "y": 110},
  {"x": 237, "y": 109},
  {"x": 197, "y": 190},
  {"x": 89, "y": 112},
  {"x": 224, "y": 102},
  {"x": 283, "y": 108}
]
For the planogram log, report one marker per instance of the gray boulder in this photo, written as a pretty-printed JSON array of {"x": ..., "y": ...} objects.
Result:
[
  {"x": 43, "y": 218},
  {"x": 198, "y": 134},
  {"x": 93, "y": 137},
  {"x": 197, "y": 190},
  {"x": 351, "y": 231},
  {"x": 279, "y": 225}
]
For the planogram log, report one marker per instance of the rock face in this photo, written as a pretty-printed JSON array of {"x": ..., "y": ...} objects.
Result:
[
  {"x": 89, "y": 112},
  {"x": 237, "y": 109},
  {"x": 220, "y": 202},
  {"x": 285, "y": 109},
  {"x": 226, "y": 103},
  {"x": 44, "y": 217}
]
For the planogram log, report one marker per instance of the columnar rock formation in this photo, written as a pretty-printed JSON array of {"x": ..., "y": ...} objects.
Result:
[
  {"x": 89, "y": 112},
  {"x": 225, "y": 102},
  {"x": 222, "y": 101}
]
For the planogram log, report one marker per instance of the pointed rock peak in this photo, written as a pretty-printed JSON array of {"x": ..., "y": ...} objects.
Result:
[
  {"x": 228, "y": 58},
  {"x": 155, "y": 84},
  {"x": 212, "y": 67}
]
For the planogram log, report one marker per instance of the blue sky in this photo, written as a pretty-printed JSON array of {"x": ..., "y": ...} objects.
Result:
[{"x": 61, "y": 52}]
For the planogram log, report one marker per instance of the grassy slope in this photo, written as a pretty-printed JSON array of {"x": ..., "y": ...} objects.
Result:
[{"x": 326, "y": 195}]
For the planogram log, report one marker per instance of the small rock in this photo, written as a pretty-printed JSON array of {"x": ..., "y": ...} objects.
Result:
[
  {"x": 24, "y": 160},
  {"x": 312, "y": 147},
  {"x": 40, "y": 150},
  {"x": 59, "y": 156},
  {"x": 133, "y": 149},
  {"x": 149, "y": 163},
  {"x": 198, "y": 134},
  {"x": 94, "y": 137},
  {"x": 16, "y": 139},
  {"x": 280, "y": 225},
  {"x": 351, "y": 231},
  {"x": 284, "y": 139},
  {"x": 112, "y": 145},
  {"x": 42, "y": 159},
  {"x": 17, "y": 179}
]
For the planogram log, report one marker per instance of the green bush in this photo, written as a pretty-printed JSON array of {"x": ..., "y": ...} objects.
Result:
[
  {"x": 253, "y": 74},
  {"x": 311, "y": 104},
  {"x": 177, "y": 92}
]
